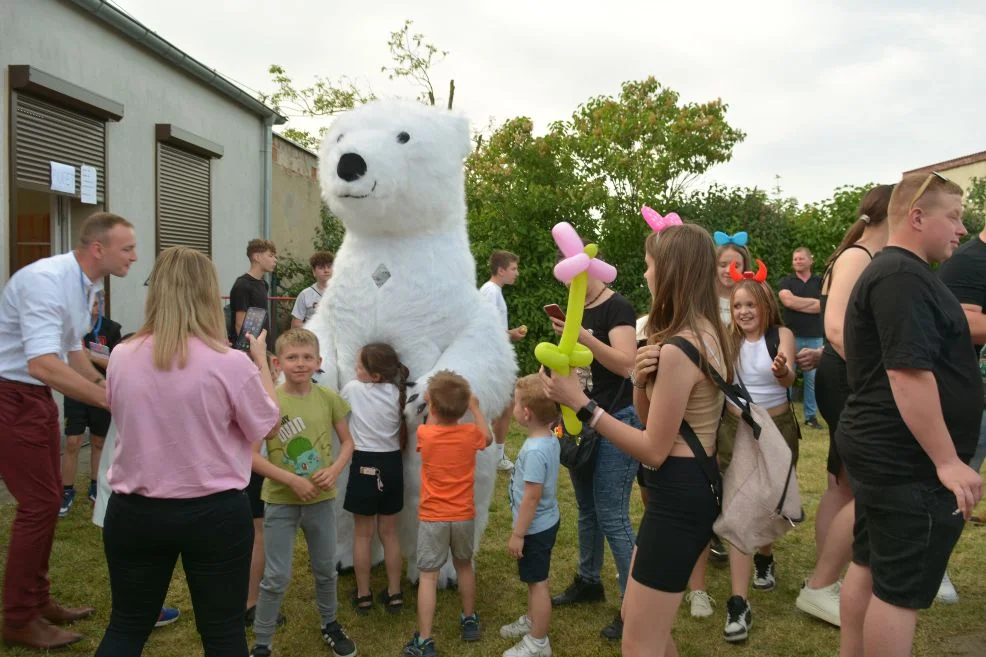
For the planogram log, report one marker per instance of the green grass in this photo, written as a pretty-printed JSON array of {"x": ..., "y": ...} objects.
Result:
[{"x": 79, "y": 576}]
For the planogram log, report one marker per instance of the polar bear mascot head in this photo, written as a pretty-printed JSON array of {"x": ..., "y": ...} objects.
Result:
[{"x": 392, "y": 171}]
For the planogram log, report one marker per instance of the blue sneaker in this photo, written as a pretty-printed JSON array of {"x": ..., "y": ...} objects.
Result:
[
  {"x": 418, "y": 648},
  {"x": 470, "y": 627},
  {"x": 92, "y": 491},
  {"x": 167, "y": 616},
  {"x": 68, "y": 497}
]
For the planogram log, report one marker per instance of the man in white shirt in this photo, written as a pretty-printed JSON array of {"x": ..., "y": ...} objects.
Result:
[
  {"x": 503, "y": 271},
  {"x": 307, "y": 302},
  {"x": 44, "y": 314}
]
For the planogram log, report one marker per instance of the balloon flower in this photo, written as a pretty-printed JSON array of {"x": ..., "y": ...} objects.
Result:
[{"x": 579, "y": 263}]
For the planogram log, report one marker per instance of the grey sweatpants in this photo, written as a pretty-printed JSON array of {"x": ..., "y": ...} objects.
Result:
[{"x": 281, "y": 522}]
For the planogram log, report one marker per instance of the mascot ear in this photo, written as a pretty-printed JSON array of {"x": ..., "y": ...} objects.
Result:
[{"x": 461, "y": 135}]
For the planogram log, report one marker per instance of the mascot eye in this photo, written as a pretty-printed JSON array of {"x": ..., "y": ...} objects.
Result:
[
  {"x": 403, "y": 138},
  {"x": 339, "y": 138}
]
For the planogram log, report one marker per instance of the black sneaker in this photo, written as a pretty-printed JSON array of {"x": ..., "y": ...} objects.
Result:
[
  {"x": 717, "y": 551},
  {"x": 470, "y": 627},
  {"x": 813, "y": 423},
  {"x": 418, "y": 648},
  {"x": 580, "y": 590},
  {"x": 342, "y": 645},
  {"x": 260, "y": 651},
  {"x": 251, "y": 613},
  {"x": 739, "y": 619},
  {"x": 614, "y": 631},
  {"x": 763, "y": 572}
]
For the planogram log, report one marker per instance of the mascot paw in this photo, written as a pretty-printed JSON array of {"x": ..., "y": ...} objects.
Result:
[{"x": 415, "y": 408}]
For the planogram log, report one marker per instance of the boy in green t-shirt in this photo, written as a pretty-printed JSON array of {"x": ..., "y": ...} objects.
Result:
[{"x": 300, "y": 490}]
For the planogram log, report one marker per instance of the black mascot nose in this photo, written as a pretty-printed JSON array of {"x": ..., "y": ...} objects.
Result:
[{"x": 351, "y": 167}]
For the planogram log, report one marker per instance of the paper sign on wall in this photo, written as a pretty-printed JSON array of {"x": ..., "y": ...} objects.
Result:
[
  {"x": 88, "y": 182},
  {"x": 62, "y": 178}
]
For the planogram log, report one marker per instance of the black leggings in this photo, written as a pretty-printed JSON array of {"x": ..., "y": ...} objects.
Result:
[
  {"x": 831, "y": 393},
  {"x": 143, "y": 538},
  {"x": 677, "y": 524}
]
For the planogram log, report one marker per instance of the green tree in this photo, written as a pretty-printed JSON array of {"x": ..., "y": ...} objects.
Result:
[
  {"x": 518, "y": 186},
  {"x": 645, "y": 147},
  {"x": 974, "y": 210}
]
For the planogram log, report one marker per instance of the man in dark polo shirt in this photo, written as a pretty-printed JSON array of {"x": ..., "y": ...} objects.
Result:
[
  {"x": 799, "y": 293},
  {"x": 910, "y": 425}
]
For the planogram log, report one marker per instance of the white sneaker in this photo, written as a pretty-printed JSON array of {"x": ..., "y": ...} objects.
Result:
[
  {"x": 821, "y": 603},
  {"x": 527, "y": 648},
  {"x": 702, "y": 603},
  {"x": 517, "y": 629},
  {"x": 946, "y": 592},
  {"x": 505, "y": 465}
]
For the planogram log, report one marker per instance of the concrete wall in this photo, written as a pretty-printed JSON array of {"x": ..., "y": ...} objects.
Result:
[
  {"x": 68, "y": 43},
  {"x": 295, "y": 199}
]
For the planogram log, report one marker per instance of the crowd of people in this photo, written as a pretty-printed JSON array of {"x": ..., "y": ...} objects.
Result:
[{"x": 888, "y": 350}]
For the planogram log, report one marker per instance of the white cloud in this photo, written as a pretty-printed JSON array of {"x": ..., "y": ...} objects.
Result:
[{"x": 828, "y": 92}]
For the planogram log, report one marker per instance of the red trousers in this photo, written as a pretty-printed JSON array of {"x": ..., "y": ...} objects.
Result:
[{"x": 30, "y": 466}]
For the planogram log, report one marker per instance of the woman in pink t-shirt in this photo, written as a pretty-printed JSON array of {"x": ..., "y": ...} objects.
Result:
[{"x": 188, "y": 410}]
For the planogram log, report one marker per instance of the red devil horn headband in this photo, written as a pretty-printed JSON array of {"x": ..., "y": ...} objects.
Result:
[{"x": 759, "y": 277}]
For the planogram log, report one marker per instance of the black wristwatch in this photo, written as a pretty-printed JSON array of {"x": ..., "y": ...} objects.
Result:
[{"x": 585, "y": 413}]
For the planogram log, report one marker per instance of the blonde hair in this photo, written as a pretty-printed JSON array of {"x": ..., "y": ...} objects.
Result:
[
  {"x": 768, "y": 311},
  {"x": 530, "y": 395},
  {"x": 449, "y": 395},
  {"x": 183, "y": 301},
  {"x": 685, "y": 289},
  {"x": 296, "y": 337},
  {"x": 908, "y": 194}
]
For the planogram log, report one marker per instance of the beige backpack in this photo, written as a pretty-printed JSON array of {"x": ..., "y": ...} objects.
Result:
[{"x": 760, "y": 498}]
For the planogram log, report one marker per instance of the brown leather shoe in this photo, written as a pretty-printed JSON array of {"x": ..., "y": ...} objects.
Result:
[
  {"x": 40, "y": 635},
  {"x": 58, "y": 615}
]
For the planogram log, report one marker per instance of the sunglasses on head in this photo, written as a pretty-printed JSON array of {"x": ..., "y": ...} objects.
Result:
[{"x": 924, "y": 187}]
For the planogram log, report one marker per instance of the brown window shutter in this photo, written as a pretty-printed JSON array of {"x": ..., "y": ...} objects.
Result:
[{"x": 184, "y": 199}]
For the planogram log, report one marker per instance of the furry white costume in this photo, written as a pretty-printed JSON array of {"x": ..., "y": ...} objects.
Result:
[{"x": 392, "y": 171}]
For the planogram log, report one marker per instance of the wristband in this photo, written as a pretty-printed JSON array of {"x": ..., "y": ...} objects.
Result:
[
  {"x": 633, "y": 380},
  {"x": 596, "y": 414}
]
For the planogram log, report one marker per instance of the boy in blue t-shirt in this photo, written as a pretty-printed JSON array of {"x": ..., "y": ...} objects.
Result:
[{"x": 534, "y": 503}]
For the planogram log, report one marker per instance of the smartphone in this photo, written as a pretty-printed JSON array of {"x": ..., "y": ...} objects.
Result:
[
  {"x": 554, "y": 310},
  {"x": 253, "y": 324}
]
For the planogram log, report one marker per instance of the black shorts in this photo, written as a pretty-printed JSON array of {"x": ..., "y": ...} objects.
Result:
[
  {"x": 533, "y": 567},
  {"x": 376, "y": 484},
  {"x": 831, "y": 393},
  {"x": 253, "y": 494},
  {"x": 677, "y": 524},
  {"x": 79, "y": 417},
  {"x": 905, "y": 534}
]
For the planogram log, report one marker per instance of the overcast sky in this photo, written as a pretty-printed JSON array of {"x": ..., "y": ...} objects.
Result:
[{"x": 828, "y": 92}]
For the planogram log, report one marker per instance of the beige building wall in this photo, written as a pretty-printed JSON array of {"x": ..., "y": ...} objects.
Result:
[
  {"x": 295, "y": 199},
  {"x": 961, "y": 170}
]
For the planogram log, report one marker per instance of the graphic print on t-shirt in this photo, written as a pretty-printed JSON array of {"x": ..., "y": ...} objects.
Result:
[{"x": 299, "y": 454}]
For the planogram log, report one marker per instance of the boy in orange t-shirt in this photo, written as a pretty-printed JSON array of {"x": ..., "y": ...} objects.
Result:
[{"x": 447, "y": 510}]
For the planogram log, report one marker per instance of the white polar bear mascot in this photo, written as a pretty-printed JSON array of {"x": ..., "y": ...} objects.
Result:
[{"x": 392, "y": 171}]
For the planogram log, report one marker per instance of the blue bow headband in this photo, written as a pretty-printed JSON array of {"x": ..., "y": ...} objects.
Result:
[{"x": 736, "y": 239}]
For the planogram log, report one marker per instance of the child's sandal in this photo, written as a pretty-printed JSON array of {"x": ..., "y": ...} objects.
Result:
[
  {"x": 392, "y": 603},
  {"x": 362, "y": 604}
]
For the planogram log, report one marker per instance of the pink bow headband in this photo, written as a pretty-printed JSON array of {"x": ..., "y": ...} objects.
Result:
[{"x": 657, "y": 222}]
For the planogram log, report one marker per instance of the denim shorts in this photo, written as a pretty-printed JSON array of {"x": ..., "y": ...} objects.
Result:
[{"x": 905, "y": 534}]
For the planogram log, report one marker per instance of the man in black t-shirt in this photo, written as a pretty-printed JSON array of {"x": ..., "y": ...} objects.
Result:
[
  {"x": 799, "y": 295},
  {"x": 251, "y": 290},
  {"x": 911, "y": 423},
  {"x": 965, "y": 276}
]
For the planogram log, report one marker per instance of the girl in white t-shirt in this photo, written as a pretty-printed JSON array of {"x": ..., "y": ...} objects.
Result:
[
  {"x": 375, "y": 492},
  {"x": 765, "y": 364}
]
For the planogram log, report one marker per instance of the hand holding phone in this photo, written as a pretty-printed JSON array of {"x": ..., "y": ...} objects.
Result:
[
  {"x": 554, "y": 311},
  {"x": 253, "y": 324}
]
